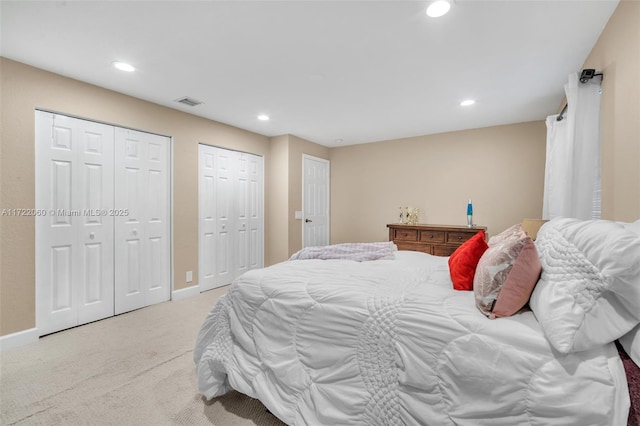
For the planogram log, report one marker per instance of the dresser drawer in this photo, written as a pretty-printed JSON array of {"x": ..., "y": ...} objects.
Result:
[
  {"x": 459, "y": 237},
  {"x": 406, "y": 235},
  {"x": 432, "y": 236},
  {"x": 443, "y": 250},
  {"x": 414, "y": 247}
]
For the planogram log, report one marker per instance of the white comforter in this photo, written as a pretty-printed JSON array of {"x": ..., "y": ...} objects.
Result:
[{"x": 338, "y": 342}]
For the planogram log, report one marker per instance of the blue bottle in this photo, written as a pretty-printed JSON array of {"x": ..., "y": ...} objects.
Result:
[{"x": 470, "y": 214}]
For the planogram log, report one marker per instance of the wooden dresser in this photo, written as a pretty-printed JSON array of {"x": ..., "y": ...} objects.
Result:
[{"x": 439, "y": 240}]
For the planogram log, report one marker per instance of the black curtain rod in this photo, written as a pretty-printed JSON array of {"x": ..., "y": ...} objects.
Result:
[{"x": 561, "y": 115}]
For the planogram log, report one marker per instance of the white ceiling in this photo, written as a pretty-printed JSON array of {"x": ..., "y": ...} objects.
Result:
[{"x": 333, "y": 72}]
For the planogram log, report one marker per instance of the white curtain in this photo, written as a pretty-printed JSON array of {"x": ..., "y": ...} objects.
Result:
[{"x": 572, "y": 171}]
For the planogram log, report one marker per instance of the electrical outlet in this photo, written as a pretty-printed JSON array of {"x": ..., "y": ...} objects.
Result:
[{"x": 189, "y": 276}]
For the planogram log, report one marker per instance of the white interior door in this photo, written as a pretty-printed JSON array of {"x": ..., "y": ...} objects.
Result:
[
  {"x": 142, "y": 209},
  {"x": 74, "y": 238},
  {"x": 231, "y": 224},
  {"x": 315, "y": 194}
]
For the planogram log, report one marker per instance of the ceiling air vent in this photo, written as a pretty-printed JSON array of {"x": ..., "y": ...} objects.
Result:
[{"x": 189, "y": 101}]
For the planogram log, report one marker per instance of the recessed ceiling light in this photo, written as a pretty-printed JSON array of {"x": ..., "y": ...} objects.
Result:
[
  {"x": 467, "y": 102},
  {"x": 263, "y": 117},
  {"x": 438, "y": 8},
  {"x": 123, "y": 66}
]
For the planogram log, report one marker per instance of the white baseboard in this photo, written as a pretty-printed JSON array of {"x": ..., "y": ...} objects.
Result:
[
  {"x": 183, "y": 293},
  {"x": 20, "y": 338}
]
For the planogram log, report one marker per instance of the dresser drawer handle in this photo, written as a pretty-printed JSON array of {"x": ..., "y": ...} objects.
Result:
[{"x": 459, "y": 238}]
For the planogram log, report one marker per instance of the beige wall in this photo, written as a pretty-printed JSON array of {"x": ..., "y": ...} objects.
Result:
[
  {"x": 278, "y": 200},
  {"x": 617, "y": 55},
  {"x": 26, "y": 88},
  {"x": 500, "y": 168}
]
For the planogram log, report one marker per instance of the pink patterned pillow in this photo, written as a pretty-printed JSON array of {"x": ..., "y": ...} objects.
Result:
[
  {"x": 506, "y": 273},
  {"x": 510, "y": 233}
]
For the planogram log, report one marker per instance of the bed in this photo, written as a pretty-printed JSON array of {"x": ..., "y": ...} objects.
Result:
[{"x": 334, "y": 341}]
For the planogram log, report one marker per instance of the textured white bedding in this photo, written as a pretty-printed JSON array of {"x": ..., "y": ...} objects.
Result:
[{"x": 338, "y": 342}]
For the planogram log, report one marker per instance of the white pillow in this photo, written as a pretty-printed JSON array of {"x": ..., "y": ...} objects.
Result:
[{"x": 589, "y": 290}]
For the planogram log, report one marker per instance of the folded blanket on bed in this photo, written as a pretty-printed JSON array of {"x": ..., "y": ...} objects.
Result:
[{"x": 350, "y": 251}]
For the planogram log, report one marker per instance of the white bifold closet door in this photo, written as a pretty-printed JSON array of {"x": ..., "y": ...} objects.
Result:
[
  {"x": 74, "y": 241},
  {"x": 231, "y": 218},
  {"x": 102, "y": 221},
  {"x": 142, "y": 248}
]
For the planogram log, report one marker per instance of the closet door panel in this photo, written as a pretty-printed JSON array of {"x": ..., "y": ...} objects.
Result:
[
  {"x": 255, "y": 211},
  {"x": 130, "y": 184},
  {"x": 206, "y": 217},
  {"x": 74, "y": 251},
  {"x": 224, "y": 191},
  {"x": 241, "y": 215},
  {"x": 157, "y": 233},
  {"x": 142, "y": 210},
  {"x": 95, "y": 200}
]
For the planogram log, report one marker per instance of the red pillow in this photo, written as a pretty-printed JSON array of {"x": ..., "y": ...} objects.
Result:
[{"x": 463, "y": 261}]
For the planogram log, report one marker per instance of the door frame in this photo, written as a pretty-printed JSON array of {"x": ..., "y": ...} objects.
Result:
[{"x": 328, "y": 200}]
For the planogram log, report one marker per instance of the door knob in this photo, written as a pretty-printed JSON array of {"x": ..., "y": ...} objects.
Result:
[
  {"x": 92, "y": 236},
  {"x": 134, "y": 232},
  {"x": 308, "y": 220}
]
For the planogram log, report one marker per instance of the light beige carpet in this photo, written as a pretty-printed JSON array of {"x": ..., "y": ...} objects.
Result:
[{"x": 132, "y": 369}]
